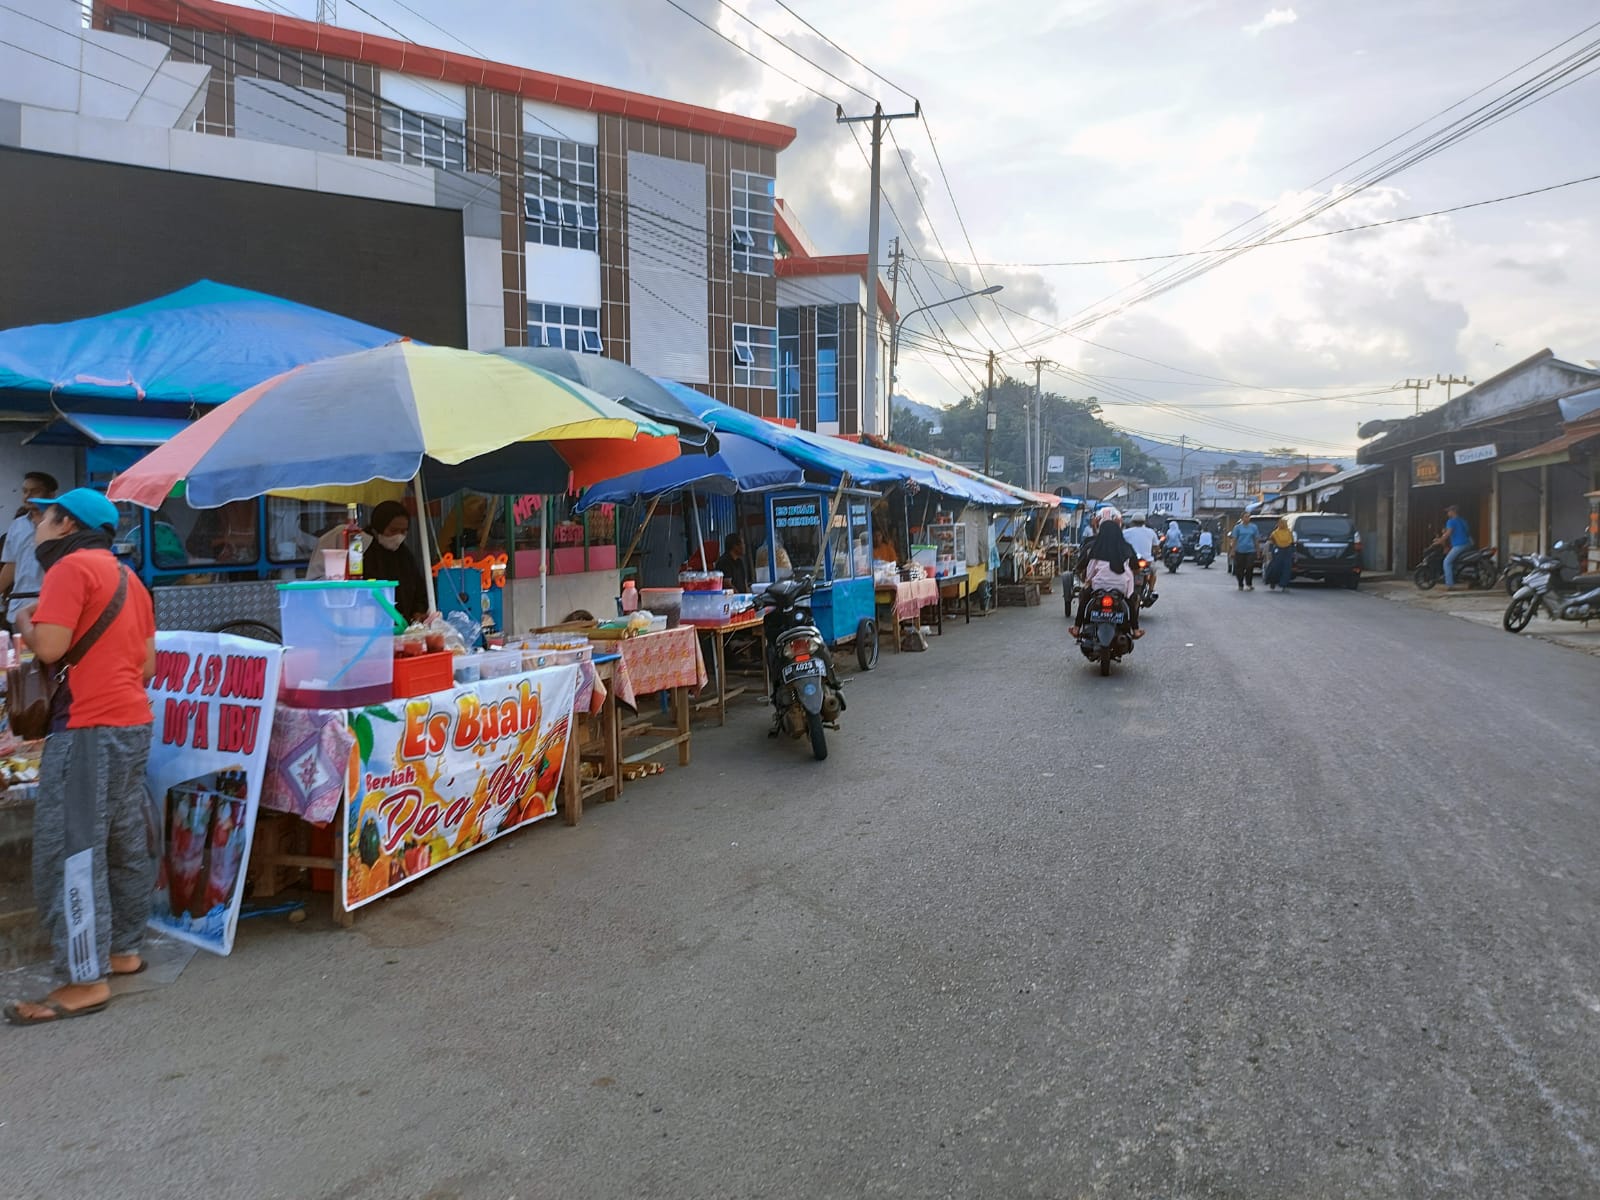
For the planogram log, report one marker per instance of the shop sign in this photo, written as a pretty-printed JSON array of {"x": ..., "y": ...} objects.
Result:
[
  {"x": 1105, "y": 458},
  {"x": 1218, "y": 487},
  {"x": 435, "y": 777},
  {"x": 1427, "y": 470},
  {"x": 1177, "y": 502},
  {"x": 214, "y": 696},
  {"x": 1477, "y": 454},
  {"x": 797, "y": 514},
  {"x": 1055, "y": 464}
]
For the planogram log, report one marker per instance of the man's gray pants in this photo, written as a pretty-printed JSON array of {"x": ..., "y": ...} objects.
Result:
[{"x": 95, "y": 842}]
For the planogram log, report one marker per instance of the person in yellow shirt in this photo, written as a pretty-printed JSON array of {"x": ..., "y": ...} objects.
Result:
[{"x": 1281, "y": 569}]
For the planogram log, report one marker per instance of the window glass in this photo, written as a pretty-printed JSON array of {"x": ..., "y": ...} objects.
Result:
[
  {"x": 827, "y": 364},
  {"x": 755, "y": 355},
  {"x": 293, "y": 527},
  {"x": 560, "y": 185},
  {"x": 789, "y": 364},
  {"x": 564, "y": 326},
  {"x": 753, "y": 222},
  {"x": 195, "y": 537},
  {"x": 797, "y": 531},
  {"x": 424, "y": 140}
]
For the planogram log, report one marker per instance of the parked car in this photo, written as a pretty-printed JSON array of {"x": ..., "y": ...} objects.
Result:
[{"x": 1326, "y": 546}]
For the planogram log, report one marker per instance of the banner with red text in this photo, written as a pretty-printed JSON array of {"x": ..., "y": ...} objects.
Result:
[
  {"x": 438, "y": 776},
  {"x": 214, "y": 697}
]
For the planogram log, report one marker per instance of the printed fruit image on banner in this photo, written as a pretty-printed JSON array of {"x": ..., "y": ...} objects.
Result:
[{"x": 441, "y": 775}]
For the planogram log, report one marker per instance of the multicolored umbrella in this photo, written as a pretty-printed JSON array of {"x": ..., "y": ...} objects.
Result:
[
  {"x": 457, "y": 418},
  {"x": 628, "y": 386}
]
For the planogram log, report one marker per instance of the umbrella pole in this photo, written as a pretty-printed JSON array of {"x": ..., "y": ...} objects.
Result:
[
  {"x": 544, "y": 561},
  {"x": 427, "y": 554},
  {"x": 699, "y": 538}
]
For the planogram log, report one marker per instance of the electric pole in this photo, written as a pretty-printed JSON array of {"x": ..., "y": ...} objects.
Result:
[
  {"x": 1450, "y": 382},
  {"x": 1036, "y": 470},
  {"x": 1183, "y": 455},
  {"x": 327, "y": 12},
  {"x": 894, "y": 343},
  {"x": 988, "y": 419},
  {"x": 869, "y": 411},
  {"x": 1417, "y": 387}
]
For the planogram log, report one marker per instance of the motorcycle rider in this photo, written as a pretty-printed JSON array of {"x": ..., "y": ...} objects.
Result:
[
  {"x": 1143, "y": 540},
  {"x": 1457, "y": 537},
  {"x": 1174, "y": 535},
  {"x": 1108, "y": 564}
]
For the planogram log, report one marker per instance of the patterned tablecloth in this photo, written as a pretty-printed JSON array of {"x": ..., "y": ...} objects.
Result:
[
  {"x": 306, "y": 762},
  {"x": 654, "y": 662},
  {"x": 912, "y": 596}
]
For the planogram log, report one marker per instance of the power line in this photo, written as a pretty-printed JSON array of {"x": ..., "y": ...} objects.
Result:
[{"x": 842, "y": 50}]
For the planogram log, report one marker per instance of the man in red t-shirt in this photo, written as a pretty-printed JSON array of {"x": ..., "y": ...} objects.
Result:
[{"x": 94, "y": 853}]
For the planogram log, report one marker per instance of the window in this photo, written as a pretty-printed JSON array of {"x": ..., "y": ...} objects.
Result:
[
  {"x": 755, "y": 352},
  {"x": 560, "y": 202},
  {"x": 752, "y": 223},
  {"x": 789, "y": 364},
  {"x": 827, "y": 365},
  {"x": 423, "y": 140},
  {"x": 564, "y": 326}
]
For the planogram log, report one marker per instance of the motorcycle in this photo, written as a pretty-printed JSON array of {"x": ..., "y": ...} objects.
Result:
[
  {"x": 1172, "y": 557},
  {"x": 1516, "y": 570},
  {"x": 806, "y": 692},
  {"x": 1144, "y": 588},
  {"x": 1555, "y": 585},
  {"x": 1476, "y": 568},
  {"x": 1107, "y": 633},
  {"x": 1205, "y": 555}
]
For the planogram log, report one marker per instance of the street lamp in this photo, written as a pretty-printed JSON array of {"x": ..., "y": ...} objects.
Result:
[{"x": 894, "y": 342}]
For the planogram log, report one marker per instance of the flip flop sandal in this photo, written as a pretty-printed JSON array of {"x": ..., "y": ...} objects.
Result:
[
  {"x": 62, "y": 1013},
  {"x": 144, "y": 965}
]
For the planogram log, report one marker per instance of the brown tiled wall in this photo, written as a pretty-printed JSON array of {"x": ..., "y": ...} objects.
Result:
[
  {"x": 229, "y": 56},
  {"x": 852, "y": 319},
  {"x": 494, "y": 147},
  {"x": 808, "y": 367},
  {"x": 613, "y": 200}
]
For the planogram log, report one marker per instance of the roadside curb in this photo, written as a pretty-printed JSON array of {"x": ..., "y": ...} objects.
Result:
[{"x": 1487, "y": 611}]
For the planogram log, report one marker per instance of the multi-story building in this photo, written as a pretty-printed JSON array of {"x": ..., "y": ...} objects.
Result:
[
  {"x": 822, "y": 331},
  {"x": 627, "y": 225}
]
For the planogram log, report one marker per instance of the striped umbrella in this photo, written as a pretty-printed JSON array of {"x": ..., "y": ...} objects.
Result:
[{"x": 455, "y": 418}]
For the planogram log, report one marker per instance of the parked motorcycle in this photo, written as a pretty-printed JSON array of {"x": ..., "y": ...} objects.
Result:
[
  {"x": 1477, "y": 568},
  {"x": 1205, "y": 555},
  {"x": 1516, "y": 570},
  {"x": 1555, "y": 584},
  {"x": 1107, "y": 633},
  {"x": 806, "y": 692},
  {"x": 1172, "y": 558}
]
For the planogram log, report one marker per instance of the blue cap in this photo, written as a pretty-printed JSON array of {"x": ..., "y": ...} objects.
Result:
[{"x": 88, "y": 507}]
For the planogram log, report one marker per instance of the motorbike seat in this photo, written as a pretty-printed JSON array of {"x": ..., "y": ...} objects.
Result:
[{"x": 1586, "y": 581}]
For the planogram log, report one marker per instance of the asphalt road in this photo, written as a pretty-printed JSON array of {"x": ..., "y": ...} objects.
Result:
[{"x": 1302, "y": 902}]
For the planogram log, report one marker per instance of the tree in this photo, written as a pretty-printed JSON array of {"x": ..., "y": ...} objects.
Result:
[
  {"x": 1287, "y": 453},
  {"x": 912, "y": 430}
]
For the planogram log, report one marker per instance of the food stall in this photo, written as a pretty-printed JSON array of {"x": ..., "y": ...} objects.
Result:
[{"x": 826, "y": 534}]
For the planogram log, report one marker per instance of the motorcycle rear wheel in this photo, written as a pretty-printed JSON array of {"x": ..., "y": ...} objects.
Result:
[
  {"x": 1513, "y": 579},
  {"x": 1519, "y": 612},
  {"x": 1105, "y": 662},
  {"x": 1485, "y": 579},
  {"x": 819, "y": 737},
  {"x": 1424, "y": 578}
]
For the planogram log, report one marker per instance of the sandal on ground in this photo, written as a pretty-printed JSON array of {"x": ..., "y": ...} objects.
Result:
[
  {"x": 1075, "y": 631},
  {"x": 58, "y": 1011},
  {"x": 144, "y": 965},
  {"x": 1138, "y": 633}
]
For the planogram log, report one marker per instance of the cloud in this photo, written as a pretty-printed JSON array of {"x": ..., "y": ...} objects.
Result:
[{"x": 1275, "y": 18}]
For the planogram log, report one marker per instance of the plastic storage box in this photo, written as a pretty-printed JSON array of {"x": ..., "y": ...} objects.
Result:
[
  {"x": 424, "y": 673},
  {"x": 492, "y": 664},
  {"x": 339, "y": 636}
]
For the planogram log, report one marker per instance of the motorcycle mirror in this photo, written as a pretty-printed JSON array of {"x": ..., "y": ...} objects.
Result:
[{"x": 1561, "y": 546}]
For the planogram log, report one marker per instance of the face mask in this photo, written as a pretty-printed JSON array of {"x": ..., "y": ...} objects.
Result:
[{"x": 392, "y": 541}]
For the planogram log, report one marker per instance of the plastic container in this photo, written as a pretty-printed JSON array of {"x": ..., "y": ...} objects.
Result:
[
  {"x": 630, "y": 597},
  {"x": 707, "y": 606},
  {"x": 340, "y": 639},
  {"x": 668, "y": 601},
  {"x": 700, "y": 581},
  {"x": 466, "y": 668},
  {"x": 424, "y": 674},
  {"x": 492, "y": 664}
]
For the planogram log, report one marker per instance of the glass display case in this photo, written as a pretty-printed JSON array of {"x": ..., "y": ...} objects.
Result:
[{"x": 949, "y": 543}]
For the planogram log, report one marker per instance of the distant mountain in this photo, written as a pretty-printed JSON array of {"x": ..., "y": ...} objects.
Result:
[
  {"x": 1197, "y": 462},
  {"x": 927, "y": 412}
]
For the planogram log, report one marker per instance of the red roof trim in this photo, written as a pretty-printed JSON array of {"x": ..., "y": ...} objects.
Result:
[
  {"x": 835, "y": 264},
  {"x": 450, "y": 67}
]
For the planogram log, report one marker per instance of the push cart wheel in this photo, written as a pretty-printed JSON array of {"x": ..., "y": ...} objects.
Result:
[
  {"x": 819, "y": 738},
  {"x": 867, "y": 644}
]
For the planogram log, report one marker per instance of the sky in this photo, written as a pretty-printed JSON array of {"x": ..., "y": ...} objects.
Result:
[{"x": 1082, "y": 130}]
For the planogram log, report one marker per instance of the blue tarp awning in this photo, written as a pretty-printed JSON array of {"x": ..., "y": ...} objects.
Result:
[
  {"x": 836, "y": 457},
  {"x": 106, "y": 429},
  {"x": 740, "y": 464},
  {"x": 203, "y": 344}
]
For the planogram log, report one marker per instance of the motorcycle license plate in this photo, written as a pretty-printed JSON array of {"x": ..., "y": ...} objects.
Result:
[
  {"x": 801, "y": 670},
  {"x": 1102, "y": 615}
]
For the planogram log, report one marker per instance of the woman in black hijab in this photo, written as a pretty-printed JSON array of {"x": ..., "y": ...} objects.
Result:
[
  {"x": 1109, "y": 565},
  {"x": 388, "y": 557}
]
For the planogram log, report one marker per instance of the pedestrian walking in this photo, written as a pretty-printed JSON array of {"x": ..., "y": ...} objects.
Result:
[
  {"x": 20, "y": 571},
  {"x": 94, "y": 836},
  {"x": 1281, "y": 567},
  {"x": 1245, "y": 539}
]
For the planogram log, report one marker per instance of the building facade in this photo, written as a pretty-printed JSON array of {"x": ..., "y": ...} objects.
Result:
[{"x": 626, "y": 225}]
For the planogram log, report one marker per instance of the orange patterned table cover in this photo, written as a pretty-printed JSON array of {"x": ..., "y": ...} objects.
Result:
[
  {"x": 654, "y": 662},
  {"x": 911, "y": 596}
]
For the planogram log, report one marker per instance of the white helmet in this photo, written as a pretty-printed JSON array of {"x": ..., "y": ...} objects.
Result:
[{"x": 1111, "y": 514}]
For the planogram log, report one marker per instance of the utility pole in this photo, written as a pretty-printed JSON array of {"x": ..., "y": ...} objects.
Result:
[
  {"x": 1183, "y": 455},
  {"x": 894, "y": 342},
  {"x": 988, "y": 419},
  {"x": 869, "y": 411},
  {"x": 1450, "y": 382},
  {"x": 1036, "y": 462},
  {"x": 327, "y": 12},
  {"x": 1417, "y": 387}
]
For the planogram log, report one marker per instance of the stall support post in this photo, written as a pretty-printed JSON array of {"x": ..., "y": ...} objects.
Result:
[
  {"x": 544, "y": 561},
  {"x": 699, "y": 535},
  {"x": 427, "y": 554}
]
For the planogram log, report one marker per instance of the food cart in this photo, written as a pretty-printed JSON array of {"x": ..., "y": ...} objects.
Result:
[{"x": 828, "y": 534}]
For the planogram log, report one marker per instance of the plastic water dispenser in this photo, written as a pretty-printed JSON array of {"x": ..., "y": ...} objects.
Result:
[{"x": 339, "y": 639}]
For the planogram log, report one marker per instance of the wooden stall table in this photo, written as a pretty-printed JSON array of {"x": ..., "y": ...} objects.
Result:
[
  {"x": 649, "y": 663},
  {"x": 906, "y": 602},
  {"x": 595, "y": 741},
  {"x": 957, "y": 587},
  {"x": 718, "y": 633}
]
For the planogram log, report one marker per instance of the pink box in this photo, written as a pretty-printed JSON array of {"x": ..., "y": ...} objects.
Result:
[{"x": 567, "y": 561}]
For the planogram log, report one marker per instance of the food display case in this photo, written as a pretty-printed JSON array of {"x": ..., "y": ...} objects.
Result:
[
  {"x": 827, "y": 536},
  {"x": 950, "y": 549}
]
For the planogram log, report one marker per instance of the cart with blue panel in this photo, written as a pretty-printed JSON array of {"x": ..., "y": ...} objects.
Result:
[{"x": 834, "y": 526}]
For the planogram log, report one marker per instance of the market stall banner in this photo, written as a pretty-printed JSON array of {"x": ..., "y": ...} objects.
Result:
[
  {"x": 214, "y": 696},
  {"x": 437, "y": 776}
]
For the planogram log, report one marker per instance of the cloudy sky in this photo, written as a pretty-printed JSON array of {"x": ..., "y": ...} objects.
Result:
[{"x": 1098, "y": 129}]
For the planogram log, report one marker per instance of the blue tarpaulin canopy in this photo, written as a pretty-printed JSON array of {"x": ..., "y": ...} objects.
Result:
[
  {"x": 203, "y": 344},
  {"x": 106, "y": 429},
  {"x": 836, "y": 457}
]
